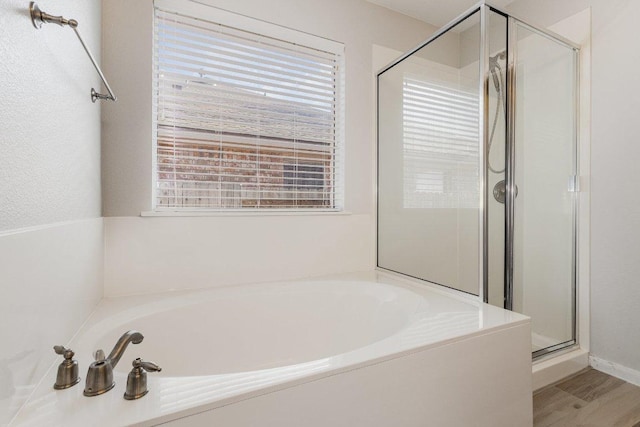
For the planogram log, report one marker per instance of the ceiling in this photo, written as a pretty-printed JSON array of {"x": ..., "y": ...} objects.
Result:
[{"x": 435, "y": 12}]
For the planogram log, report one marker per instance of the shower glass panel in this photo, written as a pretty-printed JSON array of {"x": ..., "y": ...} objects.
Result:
[
  {"x": 545, "y": 173},
  {"x": 429, "y": 160},
  {"x": 477, "y": 168}
]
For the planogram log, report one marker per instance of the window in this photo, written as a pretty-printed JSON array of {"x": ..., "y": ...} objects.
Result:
[
  {"x": 248, "y": 114},
  {"x": 440, "y": 154}
]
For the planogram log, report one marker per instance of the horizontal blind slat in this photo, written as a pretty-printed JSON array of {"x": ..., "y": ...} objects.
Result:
[
  {"x": 246, "y": 55},
  {"x": 238, "y": 144},
  {"x": 249, "y": 78},
  {"x": 216, "y": 109},
  {"x": 205, "y": 86},
  {"x": 194, "y": 28}
]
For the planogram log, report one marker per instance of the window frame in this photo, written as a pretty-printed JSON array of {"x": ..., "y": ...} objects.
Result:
[{"x": 266, "y": 29}]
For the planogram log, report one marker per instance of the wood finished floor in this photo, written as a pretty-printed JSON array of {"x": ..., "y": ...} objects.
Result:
[{"x": 589, "y": 399}]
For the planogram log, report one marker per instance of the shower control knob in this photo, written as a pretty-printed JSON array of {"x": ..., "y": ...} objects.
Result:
[{"x": 500, "y": 191}]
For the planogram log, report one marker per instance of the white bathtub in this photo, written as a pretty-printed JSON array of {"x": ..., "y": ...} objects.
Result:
[{"x": 368, "y": 349}]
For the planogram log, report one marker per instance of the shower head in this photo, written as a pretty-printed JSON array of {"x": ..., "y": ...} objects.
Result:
[
  {"x": 495, "y": 69},
  {"x": 494, "y": 75},
  {"x": 500, "y": 55}
]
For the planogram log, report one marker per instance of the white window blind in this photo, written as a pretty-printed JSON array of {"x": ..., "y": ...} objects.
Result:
[
  {"x": 440, "y": 153},
  {"x": 244, "y": 120}
]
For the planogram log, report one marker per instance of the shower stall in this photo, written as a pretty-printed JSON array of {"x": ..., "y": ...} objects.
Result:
[{"x": 477, "y": 168}]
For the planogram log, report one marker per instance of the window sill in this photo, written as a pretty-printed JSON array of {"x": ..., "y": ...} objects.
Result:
[{"x": 237, "y": 213}]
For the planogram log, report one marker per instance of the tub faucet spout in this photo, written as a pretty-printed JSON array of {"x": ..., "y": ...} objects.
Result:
[
  {"x": 100, "y": 374},
  {"x": 134, "y": 337}
]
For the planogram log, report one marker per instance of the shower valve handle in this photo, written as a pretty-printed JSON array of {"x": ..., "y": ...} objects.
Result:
[
  {"x": 147, "y": 366},
  {"x": 137, "y": 379}
]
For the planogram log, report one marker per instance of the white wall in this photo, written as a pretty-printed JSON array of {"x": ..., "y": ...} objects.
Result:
[
  {"x": 50, "y": 128},
  {"x": 615, "y": 204},
  {"x": 50, "y": 225},
  {"x": 51, "y": 280},
  {"x": 158, "y": 254},
  {"x": 127, "y": 155}
]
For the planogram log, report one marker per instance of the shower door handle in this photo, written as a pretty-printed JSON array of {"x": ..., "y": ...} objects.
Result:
[{"x": 574, "y": 184}]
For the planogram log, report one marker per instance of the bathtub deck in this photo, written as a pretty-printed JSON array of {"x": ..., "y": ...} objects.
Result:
[{"x": 458, "y": 362}]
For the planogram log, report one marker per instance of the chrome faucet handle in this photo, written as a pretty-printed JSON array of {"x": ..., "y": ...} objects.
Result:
[
  {"x": 137, "y": 379},
  {"x": 67, "y": 370},
  {"x": 98, "y": 355}
]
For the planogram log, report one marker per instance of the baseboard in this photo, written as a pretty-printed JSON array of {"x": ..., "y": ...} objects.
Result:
[
  {"x": 552, "y": 370},
  {"x": 627, "y": 374}
]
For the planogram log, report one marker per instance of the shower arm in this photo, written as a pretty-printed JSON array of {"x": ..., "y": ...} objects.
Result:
[{"x": 39, "y": 17}]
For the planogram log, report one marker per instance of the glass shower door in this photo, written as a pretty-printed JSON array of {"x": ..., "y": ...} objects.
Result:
[{"x": 544, "y": 172}]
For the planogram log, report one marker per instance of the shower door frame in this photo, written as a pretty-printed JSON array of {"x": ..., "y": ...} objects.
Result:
[
  {"x": 510, "y": 167},
  {"x": 484, "y": 8},
  {"x": 510, "y": 163}
]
